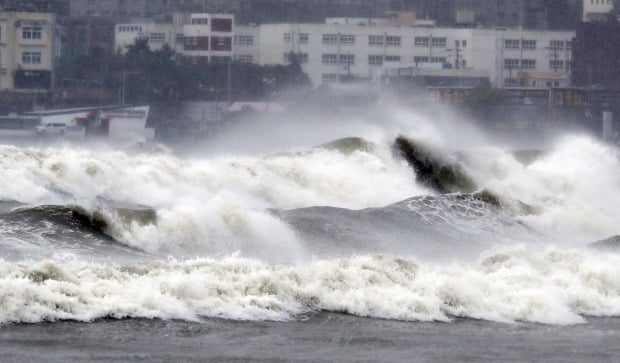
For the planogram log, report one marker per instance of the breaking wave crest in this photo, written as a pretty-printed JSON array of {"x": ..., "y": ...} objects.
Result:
[{"x": 510, "y": 285}]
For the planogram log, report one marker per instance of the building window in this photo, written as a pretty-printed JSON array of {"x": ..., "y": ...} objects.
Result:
[
  {"x": 31, "y": 57},
  {"x": 528, "y": 64},
  {"x": 221, "y": 25},
  {"x": 302, "y": 58},
  {"x": 347, "y": 59},
  {"x": 510, "y": 63},
  {"x": 464, "y": 43},
  {"x": 528, "y": 44},
  {"x": 179, "y": 38},
  {"x": 347, "y": 39},
  {"x": 393, "y": 41},
  {"x": 438, "y": 42},
  {"x": 421, "y": 41},
  {"x": 392, "y": 58},
  {"x": 556, "y": 45},
  {"x": 333, "y": 39},
  {"x": 221, "y": 43},
  {"x": 511, "y": 82},
  {"x": 31, "y": 33},
  {"x": 330, "y": 38},
  {"x": 438, "y": 59},
  {"x": 304, "y": 38},
  {"x": 418, "y": 59},
  {"x": 375, "y": 40},
  {"x": 200, "y": 21},
  {"x": 512, "y": 43},
  {"x": 556, "y": 65},
  {"x": 375, "y": 60},
  {"x": 287, "y": 37},
  {"x": 330, "y": 58},
  {"x": 244, "y": 40},
  {"x": 244, "y": 58},
  {"x": 157, "y": 37},
  {"x": 329, "y": 77}
]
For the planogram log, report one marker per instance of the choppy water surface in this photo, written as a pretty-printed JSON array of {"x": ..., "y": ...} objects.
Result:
[{"x": 308, "y": 249}]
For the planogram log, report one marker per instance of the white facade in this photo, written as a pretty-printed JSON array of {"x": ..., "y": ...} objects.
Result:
[
  {"x": 199, "y": 38},
  {"x": 208, "y": 37},
  {"x": 596, "y": 9},
  {"x": 27, "y": 45},
  {"x": 332, "y": 52},
  {"x": 157, "y": 35}
]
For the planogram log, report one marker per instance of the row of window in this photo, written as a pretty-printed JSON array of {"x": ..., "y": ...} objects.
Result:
[
  {"x": 372, "y": 59},
  {"x": 432, "y": 42},
  {"x": 31, "y": 32},
  {"x": 531, "y": 64},
  {"x": 529, "y": 44},
  {"x": 203, "y": 43},
  {"x": 157, "y": 37},
  {"x": 516, "y": 82},
  {"x": 244, "y": 58},
  {"x": 31, "y": 57},
  {"x": 130, "y": 28},
  {"x": 301, "y": 58},
  {"x": 244, "y": 40},
  {"x": 373, "y": 40},
  {"x": 510, "y": 63},
  {"x": 302, "y": 38},
  {"x": 336, "y": 59}
]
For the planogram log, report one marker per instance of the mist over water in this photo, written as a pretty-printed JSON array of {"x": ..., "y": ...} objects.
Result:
[{"x": 275, "y": 218}]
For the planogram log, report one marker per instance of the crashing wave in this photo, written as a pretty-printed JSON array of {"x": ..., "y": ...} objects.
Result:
[{"x": 510, "y": 285}]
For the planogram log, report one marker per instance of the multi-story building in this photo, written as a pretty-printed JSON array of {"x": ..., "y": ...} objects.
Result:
[
  {"x": 337, "y": 51},
  {"x": 197, "y": 38},
  {"x": 27, "y": 50},
  {"x": 596, "y": 10}
]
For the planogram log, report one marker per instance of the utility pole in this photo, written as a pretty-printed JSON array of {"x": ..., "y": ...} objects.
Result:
[
  {"x": 554, "y": 64},
  {"x": 457, "y": 51}
]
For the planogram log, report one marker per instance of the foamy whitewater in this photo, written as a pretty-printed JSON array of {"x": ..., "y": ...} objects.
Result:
[{"x": 345, "y": 227}]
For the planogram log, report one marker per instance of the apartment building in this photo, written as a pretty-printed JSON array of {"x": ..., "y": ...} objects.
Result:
[
  {"x": 596, "y": 10},
  {"x": 337, "y": 51},
  {"x": 198, "y": 38},
  {"x": 27, "y": 51}
]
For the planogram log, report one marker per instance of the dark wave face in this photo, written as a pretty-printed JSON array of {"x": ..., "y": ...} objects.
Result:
[
  {"x": 426, "y": 226},
  {"x": 41, "y": 231}
]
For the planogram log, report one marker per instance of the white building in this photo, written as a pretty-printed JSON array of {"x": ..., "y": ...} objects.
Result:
[
  {"x": 27, "y": 50},
  {"x": 157, "y": 35},
  {"x": 594, "y": 10},
  {"x": 199, "y": 38},
  {"x": 337, "y": 51}
]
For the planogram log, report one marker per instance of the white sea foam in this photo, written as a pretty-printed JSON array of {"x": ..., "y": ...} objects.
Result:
[
  {"x": 211, "y": 205},
  {"x": 573, "y": 186},
  {"x": 518, "y": 284}
]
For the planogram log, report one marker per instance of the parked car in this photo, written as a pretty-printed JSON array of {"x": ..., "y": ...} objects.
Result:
[{"x": 52, "y": 128}]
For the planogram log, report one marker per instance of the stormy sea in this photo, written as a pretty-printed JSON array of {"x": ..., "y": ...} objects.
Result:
[{"x": 392, "y": 238}]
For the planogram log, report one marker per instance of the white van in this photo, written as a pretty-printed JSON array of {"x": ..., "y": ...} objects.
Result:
[{"x": 52, "y": 128}]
